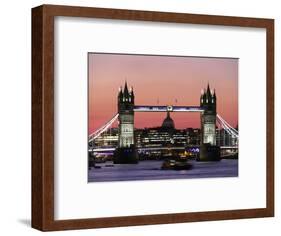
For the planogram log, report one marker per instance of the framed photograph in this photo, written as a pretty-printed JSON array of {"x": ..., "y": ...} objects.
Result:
[{"x": 143, "y": 117}]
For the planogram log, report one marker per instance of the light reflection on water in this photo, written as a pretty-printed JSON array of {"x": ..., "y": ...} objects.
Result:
[{"x": 151, "y": 170}]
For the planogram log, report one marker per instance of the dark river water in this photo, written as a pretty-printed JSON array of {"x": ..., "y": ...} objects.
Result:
[{"x": 151, "y": 170}]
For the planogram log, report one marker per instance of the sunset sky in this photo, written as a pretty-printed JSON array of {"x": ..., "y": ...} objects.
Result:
[{"x": 161, "y": 80}]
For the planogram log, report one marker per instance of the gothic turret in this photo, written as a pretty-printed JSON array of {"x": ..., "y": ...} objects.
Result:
[
  {"x": 126, "y": 98},
  {"x": 132, "y": 95},
  {"x": 120, "y": 95},
  {"x": 208, "y": 99}
]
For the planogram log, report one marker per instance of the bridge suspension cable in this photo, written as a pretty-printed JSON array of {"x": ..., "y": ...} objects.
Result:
[
  {"x": 227, "y": 124},
  {"x": 99, "y": 131},
  {"x": 227, "y": 127},
  {"x": 228, "y": 130}
]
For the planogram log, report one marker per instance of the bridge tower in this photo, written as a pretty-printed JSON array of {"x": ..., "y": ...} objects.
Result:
[
  {"x": 209, "y": 151},
  {"x": 126, "y": 152}
]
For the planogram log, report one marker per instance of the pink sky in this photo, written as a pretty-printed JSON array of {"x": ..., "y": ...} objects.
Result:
[{"x": 164, "y": 79}]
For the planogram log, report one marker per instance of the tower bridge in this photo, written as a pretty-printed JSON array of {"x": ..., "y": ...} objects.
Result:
[{"x": 126, "y": 151}]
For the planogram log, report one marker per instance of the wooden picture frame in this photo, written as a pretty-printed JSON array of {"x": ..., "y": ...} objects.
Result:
[{"x": 43, "y": 117}]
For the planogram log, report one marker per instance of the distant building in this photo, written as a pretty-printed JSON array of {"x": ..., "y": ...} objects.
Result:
[
  {"x": 168, "y": 122},
  {"x": 225, "y": 139},
  {"x": 107, "y": 139},
  {"x": 167, "y": 135},
  {"x": 193, "y": 136}
]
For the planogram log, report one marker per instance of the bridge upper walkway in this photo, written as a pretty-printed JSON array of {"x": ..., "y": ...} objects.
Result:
[{"x": 168, "y": 108}]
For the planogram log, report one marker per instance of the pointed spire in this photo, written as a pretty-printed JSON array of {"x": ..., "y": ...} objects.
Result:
[
  {"x": 126, "y": 86},
  {"x": 201, "y": 96},
  {"x": 126, "y": 91},
  {"x": 204, "y": 94},
  {"x": 120, "y": 95},
  {"x": 208, "y": 89},
  {"x": 120, "y": 91},
  {"x": 132, "y": 91},
  {"x": 208, "y": 93},
  {"x": 214, "y": 94}
]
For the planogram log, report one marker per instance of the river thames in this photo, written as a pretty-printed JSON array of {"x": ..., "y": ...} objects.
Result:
[{"x": 151, "y": 170}]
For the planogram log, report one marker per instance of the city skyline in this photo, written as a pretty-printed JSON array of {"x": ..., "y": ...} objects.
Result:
[{"x": 161, "y": 80}]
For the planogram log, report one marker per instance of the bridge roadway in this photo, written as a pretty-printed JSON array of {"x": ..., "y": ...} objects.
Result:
[{"x": 168, "y": 108}]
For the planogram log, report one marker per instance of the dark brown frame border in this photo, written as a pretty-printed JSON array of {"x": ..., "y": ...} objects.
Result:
[{"x": 43, "y": 117}]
